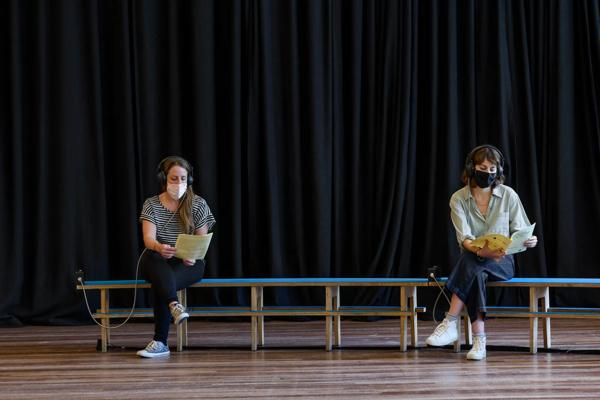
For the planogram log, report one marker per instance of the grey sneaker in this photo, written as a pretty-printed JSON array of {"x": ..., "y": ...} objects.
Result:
[
  {"x": 154, "y": 349},
  {"x": 477, "y": 352},
  {"x": 444, "y": 334},
  {"x": 178, "y": 313}
]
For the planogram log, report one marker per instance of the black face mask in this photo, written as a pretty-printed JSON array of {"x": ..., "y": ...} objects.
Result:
[{"x": 484, "y": 179}]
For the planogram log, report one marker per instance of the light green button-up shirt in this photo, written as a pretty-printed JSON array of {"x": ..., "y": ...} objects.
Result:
[{"x": 505, "y": 214}]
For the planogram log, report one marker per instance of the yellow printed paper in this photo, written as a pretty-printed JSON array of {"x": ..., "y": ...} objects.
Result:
[
  {"x": 495, "y": 241},
  {"x": 511, "y": 245}
]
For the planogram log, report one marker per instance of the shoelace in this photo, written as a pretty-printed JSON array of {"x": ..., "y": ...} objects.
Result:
[
  {"x": 441, "y": 328},
  {"x": 478, "y": 344},
  {"x": 177, "y": 308},
  {"x": 154, "y": 345}
]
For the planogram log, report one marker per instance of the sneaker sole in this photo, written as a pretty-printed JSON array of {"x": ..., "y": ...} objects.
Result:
[
  {"x": 475, "y": 358},
  {"x": 152, "y": 355},
  {"x": 440, "y": 345}
]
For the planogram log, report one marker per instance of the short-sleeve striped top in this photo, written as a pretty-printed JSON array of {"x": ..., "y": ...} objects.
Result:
[{"x": 167, "y": 223}]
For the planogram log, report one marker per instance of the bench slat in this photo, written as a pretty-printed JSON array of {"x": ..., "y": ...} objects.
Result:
[
  {"x": 281, "y": 311},
  {"x": 541, "y": 314}
]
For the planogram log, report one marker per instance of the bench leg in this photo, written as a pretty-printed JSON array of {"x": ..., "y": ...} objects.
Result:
[
  {"x": 412, "y": 303},
  {"x": 254, "y": 319},
  {"x": 545, "y": 299},
  {"x": 328, "y": 318},
  {"x": 403, "y": 308},
  {"x": 185, "y": 326},
  {"x": 468, "y": 329},
  {"x": 458, "y": 329},
  {"x": 337, "y": 323},
  {"x": 260, "y": 322},
  {"x": 104, "y": 331},
  {"x": 182, "y": 328},
  {"x": 533, "y": 321}
]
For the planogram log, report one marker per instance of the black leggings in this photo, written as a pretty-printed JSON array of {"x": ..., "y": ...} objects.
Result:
[{"x": 167, "y": 276}]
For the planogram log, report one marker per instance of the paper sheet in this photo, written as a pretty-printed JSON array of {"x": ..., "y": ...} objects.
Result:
[
  {"x": 192, "y": 247},
  {"x": 517, "y": 239}
]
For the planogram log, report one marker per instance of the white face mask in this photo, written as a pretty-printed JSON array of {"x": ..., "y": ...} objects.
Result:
[{"x": 176, "y": 190}]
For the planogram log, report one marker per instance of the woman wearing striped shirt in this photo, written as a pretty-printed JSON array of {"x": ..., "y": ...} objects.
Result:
[{"x": 176, "y": 210}]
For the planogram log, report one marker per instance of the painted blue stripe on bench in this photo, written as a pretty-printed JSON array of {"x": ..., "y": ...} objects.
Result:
[
  {"x": 275, "y": 280},
  {"x": 593, "y": 281},
  {"x": 555, "y": 280}
]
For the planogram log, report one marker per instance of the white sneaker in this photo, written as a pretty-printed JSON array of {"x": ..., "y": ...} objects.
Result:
[
  {"x": 155, "y": 348},
  {"x": 178, "y": 313},
  {"x": 444, "y": 334},
  {"x": 477, "y": 352}
]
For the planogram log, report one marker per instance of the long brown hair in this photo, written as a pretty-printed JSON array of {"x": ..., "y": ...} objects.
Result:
[{"x": 186, "y": 218}]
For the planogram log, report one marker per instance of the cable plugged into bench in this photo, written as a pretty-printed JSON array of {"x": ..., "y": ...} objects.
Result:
[
  {"x": 432, "y": 273},
  {"x": 79, "y": 275},
  {"x": 137, "y": 268},
  {"x": 80, "y": 280}
]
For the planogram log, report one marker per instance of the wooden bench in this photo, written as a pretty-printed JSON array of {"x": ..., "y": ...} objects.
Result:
[
  {"x": 332, "y": 309},
  {"x": 539, "y": 307}
]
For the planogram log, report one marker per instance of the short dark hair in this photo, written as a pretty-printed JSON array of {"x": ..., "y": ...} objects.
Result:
[{"x": 485, "y": 153}]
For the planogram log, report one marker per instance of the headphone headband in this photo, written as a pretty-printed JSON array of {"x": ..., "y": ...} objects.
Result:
[
  {"x": 470, "y": 163},
  {"x": 161, "y": 174}
]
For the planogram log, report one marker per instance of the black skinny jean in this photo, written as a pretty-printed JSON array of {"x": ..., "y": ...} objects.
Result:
[{"x": 167, "y": 276}]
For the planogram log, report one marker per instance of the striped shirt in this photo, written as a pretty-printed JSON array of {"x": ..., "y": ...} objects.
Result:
[
  {"x": 167, "y": 223},
  {"x": 505, "y": 214}
]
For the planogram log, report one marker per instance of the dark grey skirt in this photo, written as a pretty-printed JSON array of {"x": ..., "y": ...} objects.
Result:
[{"x": 469, "y": 276}]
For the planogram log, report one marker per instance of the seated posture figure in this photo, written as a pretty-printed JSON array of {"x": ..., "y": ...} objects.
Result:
[
  {"x": 484, "y": 205},
  {"x": 175, "y": 210}
]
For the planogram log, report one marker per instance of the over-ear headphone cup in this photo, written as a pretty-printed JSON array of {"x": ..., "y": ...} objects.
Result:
[
  {"x": 160, "y": 176},
  {"x": 469, "y": 167}
]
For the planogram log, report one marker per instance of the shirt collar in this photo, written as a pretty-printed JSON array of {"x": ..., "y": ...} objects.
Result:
[{"x": 497, "y": 192}]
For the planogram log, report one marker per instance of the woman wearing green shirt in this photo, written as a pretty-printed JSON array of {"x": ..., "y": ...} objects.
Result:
[{"x": 484, "y": 205}]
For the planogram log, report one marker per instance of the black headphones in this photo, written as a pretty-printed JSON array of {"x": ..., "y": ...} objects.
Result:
[
  {"x": 161, "y": 174},
  {"x": 470, "y": 164}
]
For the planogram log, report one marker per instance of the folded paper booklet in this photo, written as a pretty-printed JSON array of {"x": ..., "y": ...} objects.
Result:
[
  {"x": 192, "y": 247},
  {"x": 510, "y": 245}
]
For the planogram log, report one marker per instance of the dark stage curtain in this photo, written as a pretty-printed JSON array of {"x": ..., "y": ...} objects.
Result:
[{"x": 327, "y": 137}]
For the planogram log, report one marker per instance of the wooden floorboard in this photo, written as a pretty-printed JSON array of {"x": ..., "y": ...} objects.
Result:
[{"x": 44, "y": 362}]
